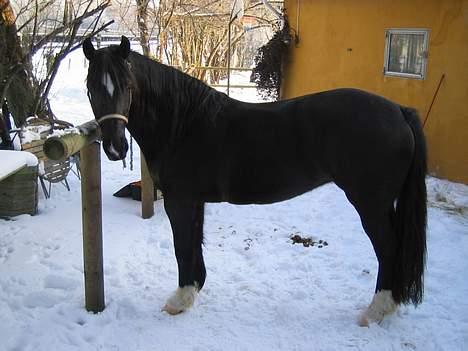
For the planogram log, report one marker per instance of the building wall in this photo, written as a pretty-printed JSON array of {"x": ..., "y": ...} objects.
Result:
[{"x": 342, "y": 44}]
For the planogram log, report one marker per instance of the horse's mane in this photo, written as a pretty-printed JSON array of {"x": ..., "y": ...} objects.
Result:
[
  {"x": 166, "y": 82},
  {"x": 117, "y": 69},
  {"x": 178, "y": 96},
  {"x": 166, "y": 98}
]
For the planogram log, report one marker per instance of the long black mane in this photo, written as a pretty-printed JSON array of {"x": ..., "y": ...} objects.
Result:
[{"x": 164, "y": 98}]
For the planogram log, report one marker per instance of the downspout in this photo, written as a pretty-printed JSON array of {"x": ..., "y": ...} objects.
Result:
[{"x": 272, "y": 9}]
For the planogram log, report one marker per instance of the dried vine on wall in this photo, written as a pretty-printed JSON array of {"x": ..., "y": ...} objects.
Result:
[{"x": 267, "y": 72}]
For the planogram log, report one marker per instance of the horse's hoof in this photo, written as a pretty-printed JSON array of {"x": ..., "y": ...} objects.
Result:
[
  {"x": 182, "y": 299},
  {"x": 382, "y": 305},
  {"x": 171, "y": 310},
  {"x": 363, "y": 321}
]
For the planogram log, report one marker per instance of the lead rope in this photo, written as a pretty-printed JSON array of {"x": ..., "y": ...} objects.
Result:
[{"x": 131, "y": 153}]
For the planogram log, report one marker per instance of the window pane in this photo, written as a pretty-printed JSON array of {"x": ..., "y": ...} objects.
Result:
[{"x": 406, "y": 53}]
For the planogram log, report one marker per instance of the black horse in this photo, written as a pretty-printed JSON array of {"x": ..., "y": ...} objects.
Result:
[{"x": 202, "y": 146}]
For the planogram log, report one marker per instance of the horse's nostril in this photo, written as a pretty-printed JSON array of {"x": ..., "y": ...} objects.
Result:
[{"x": 112, "y": 152}]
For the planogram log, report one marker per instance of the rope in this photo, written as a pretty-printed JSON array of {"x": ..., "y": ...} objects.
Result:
[{"x": 131, "y": 153}]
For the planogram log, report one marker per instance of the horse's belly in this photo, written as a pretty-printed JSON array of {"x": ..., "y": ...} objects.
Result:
[{"x": 271, "y": 189}]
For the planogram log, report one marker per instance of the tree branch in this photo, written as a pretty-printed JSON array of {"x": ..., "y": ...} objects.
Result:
[
  {"x": 78, "y": 20},
  {"x": 90, "y": 35}
]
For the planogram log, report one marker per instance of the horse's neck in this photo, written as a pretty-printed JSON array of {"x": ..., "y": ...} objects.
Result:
[
  {"x": 166, "y": 104},
  {"x": 155, "y": 107},
  {"x": 162, "y": 89}
]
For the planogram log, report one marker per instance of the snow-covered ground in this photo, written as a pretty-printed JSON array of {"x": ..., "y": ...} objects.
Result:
[{"x": 261, "y": 293}]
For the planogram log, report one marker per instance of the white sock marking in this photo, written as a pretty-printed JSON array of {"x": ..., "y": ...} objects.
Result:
[
  {"x": 107, "y": 82},
  {"x": 182, "y": 299},
  {"x": 382, "y": 304}
]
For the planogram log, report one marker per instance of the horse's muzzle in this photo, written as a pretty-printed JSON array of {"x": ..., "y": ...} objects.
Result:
[{"x": 116, "y": 149}]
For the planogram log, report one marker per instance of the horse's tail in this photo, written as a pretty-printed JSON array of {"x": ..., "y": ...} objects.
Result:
[{"x": 410, "y": 221}]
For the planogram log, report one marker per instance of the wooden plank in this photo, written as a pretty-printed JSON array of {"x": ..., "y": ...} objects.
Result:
[
  {"x": 33, "y": 143},
  {"x": 35, "y": 147},
  {"x": 242, "y": 86}
]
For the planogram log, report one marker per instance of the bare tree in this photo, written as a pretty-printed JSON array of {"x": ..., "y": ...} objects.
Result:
[
  {"x": 142, "y": 20},
  {"x": 146, "y": 20},
  {"x": 192, "y": 34},
  {"x": 15, "y": 68},
  {"x": 48, "y": 30}
]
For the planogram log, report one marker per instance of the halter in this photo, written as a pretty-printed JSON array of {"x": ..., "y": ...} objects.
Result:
[{"x": 112, "y": 116}]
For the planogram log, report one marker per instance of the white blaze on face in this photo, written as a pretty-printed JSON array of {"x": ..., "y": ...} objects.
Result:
[{"x": 107, "y": 82}]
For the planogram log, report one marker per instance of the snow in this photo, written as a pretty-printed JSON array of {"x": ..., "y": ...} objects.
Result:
[
  {"x": 33, "y": 133},
  {"x": 62, "y": 132},
  {"x": 13, "y": 161},
  {"x": 261, "y": 293}
]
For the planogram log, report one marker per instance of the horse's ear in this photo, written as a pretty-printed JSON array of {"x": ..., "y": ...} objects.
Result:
[
  {"x": 124, "y": 47},
  {"x": 88, "y": 48}
]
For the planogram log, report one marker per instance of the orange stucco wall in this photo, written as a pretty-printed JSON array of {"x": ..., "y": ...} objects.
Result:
[{"x": 342, "y": 44}]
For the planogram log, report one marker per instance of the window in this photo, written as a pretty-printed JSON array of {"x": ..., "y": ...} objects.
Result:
[{"x": 406, "y": 52}]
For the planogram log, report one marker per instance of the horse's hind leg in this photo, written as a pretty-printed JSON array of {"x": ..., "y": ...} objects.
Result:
[
  {"x": 186, "y": 219},
  {"x": 377, "y": 224}
]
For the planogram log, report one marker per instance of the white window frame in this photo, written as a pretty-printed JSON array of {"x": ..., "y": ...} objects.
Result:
[{"x": 388, "y": 34}]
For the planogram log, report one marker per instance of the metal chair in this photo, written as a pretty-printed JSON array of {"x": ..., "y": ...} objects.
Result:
[
  {"x": 55, "y": 172},
  {"x": 50, "y": 171}
]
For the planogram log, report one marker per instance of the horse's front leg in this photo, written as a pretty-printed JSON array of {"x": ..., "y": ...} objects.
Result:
[{"x": 186, "y": 219}]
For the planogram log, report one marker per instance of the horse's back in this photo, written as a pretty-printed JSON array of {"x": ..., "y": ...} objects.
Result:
[
  {"x": 366, "y": 141},
  {"x": 274, "y": 151}
]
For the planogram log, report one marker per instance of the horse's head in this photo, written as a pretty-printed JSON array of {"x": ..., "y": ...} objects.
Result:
[{"x": 110, "y": 83}]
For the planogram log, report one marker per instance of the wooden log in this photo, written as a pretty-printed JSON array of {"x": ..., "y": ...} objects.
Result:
[
  {"x": 90, "y": 161},
  {"x": 60, "y": 147},
  {"x": 147, "y": 190}
]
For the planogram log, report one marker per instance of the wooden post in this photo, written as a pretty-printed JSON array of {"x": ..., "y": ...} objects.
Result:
[
  {"x": 90, "y": 162},
  {"x": 147, "y": 190},
  {"x": 83, "y": 139}
]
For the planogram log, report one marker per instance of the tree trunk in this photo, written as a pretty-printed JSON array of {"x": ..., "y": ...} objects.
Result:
[
  {"x": 5, "y": 127},
  {"x": 15, "y": 68},
  {"x": 142, "y": 19}
]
